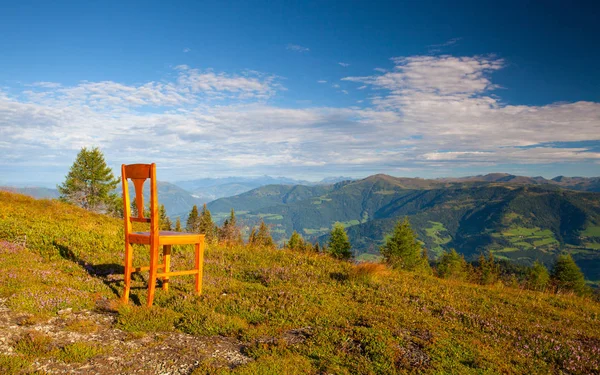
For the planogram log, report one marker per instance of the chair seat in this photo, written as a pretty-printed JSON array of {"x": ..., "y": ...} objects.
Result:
[{"x": 165, "y": 238}]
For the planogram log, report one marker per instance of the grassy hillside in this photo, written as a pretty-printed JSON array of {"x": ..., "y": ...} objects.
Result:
[{"x": 288, "y": 313}]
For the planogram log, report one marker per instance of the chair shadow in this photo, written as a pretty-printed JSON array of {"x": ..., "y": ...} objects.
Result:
[{"x": 104, "y": 272}]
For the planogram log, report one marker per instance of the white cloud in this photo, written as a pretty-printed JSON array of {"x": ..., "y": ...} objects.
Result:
[
  {"x": 380, "y": 70},
  {"x": 428, "y": 112},
  {"x": 444, "y": 100},
  {"x": 345, "y": 65},
  {"x": 46, "y": 85},
  {"x": 362, "y": 87},
  {"x": 344, "y": 92},
  {"x": 321, "y": 81},
  {"x": 186, "y": 50},
  {"x": 297, "y": 48},
  {"x": 449, "y": 42}
]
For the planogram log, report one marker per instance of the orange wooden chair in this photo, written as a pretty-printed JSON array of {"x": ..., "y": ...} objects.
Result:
[{"x": 139, "y": 173}]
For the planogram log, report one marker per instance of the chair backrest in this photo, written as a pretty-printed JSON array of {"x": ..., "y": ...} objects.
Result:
[{"x": 138, "y": 174}]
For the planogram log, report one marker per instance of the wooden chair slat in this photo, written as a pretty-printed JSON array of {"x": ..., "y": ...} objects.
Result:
[
  {"x": 140, "y": 171},
  {"x": 140, "y": 219}
]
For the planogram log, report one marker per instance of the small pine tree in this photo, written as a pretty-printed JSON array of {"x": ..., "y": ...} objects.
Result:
[
  {"x": 296, "y": 242},
  {"x": 232, "y": 219},
  {"x": 191, "y": 225},
  {"x": 489, "y": 271},
  {"x": 453, "y": 266},
  {"x": 537, "y": 277},
  {"x": 252, "y": 237},
  {"x": 134, "y": 210},
  {"x": 163, "y": 219},
  {"x": 402, "y": 250},
  {"x": 567, "y": 277},
  {"x": 90, "y": 182},
  {"x": 316, "y": 247},
  {"x": 206, "y": 225},
  {"x": 230, "y": 233},
  {"x": 308, "y": 247},
  {"x": 339, "y": 245},
  {"x": 115, "y": 208},
  {"x": 178, "y": 225},
  {"x": 262, "y": 237}
]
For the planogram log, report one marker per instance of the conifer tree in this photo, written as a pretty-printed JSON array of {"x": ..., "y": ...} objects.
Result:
[
  {"x": 538, "y": 277},
  {"x": 296, "y": 242},
  {"x": 192, "y": 222},
  {"x": 567, "y": 277},
  {"x": 402, "y": 250},
  {"x": 308, "y": 247},
  {"x": 163, "y": 219},
  {"x": 206, "y": 225},
  {"x": 316, "y": 247},
  {"x": 232, "y": 219},
  {"x": 134, "y": 209},
  {"x": 252, "y": 237},
  {"x": 90, "y": 182},
  {"x": 453, "y": 266},
  {"x": 178, "y": 225},
  {"x": 262, "y": 237},
  {"x": 115, "y": 208},
  {"x": 489, "y": 271},
  {"x": 339, "y": 245},
  {"x": 230, "y": 233}
]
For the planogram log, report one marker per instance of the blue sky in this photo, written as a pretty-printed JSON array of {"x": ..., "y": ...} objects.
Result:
[{"x": 301, "y": 89}]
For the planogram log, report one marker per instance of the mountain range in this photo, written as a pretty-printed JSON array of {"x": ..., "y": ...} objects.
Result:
[{"x": 517, "y": 218}]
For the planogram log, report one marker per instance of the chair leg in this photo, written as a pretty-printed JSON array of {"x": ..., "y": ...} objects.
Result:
[
  {"x": 127, "y": 272},
  {"x": 153, "y": 272},
  {"x": 167, "y": 261},
  {"x": 199, "y": 247}
]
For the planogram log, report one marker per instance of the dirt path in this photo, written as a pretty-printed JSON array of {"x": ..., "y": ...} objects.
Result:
[{"x": 121, "y": 352}]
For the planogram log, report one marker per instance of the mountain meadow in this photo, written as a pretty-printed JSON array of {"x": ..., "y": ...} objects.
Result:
[{"x": 277, "y": 311}]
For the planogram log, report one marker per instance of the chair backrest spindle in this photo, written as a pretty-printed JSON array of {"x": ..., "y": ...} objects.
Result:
[{"x": 138, "y": 174}]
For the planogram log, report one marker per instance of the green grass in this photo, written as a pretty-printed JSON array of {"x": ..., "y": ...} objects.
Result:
[
  {"x": 506, "y": 250},
  {"x": 13, "y": 364},
  {"x": 270, "y": 217},
  {"x": 350, "y": 223},
  {"x": 592, "y": 231},
  {"x": 436, "y": 233},
  {"x": 358, "y": 321},
  {"x": 528, "y": 238},
  {"x": 592, "y": 245},
  {"x": 366, "y": 257},
  {"x": 311, "y": 231},
  {"x": 79, "y": 352},
  {"x": 320, "y": 200}
]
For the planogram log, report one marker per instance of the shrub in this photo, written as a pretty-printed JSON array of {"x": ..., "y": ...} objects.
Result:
[
  {"x": 339, "y": 245},
  {"x": 79, "y": 352},
  {"x": 369, "y": 272},
  {"x": 143, "y": 319},
  {"x": 567, "y": 277},
  {"x": 451, "y": 265},
  {"x": 402, "y": 250},
  {"x": 537, "y": 277}
]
